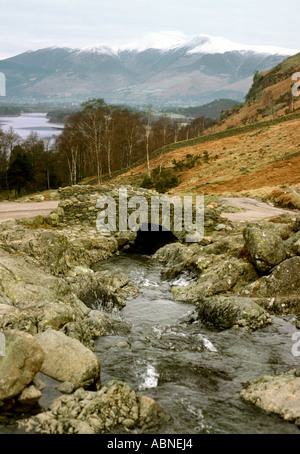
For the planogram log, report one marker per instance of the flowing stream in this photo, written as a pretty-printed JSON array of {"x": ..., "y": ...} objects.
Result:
[{"x": 193, "y": 371}]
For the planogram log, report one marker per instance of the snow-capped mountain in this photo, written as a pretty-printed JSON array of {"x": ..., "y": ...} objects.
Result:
[
  {"x": 202, "y": 44},
  {"x": 159, "y": 69}
]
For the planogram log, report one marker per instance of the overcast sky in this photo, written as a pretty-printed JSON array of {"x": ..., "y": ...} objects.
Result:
[{"x": 34, "y": 24}]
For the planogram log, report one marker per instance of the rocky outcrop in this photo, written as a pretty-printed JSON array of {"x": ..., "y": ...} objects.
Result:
[
  {"x": 38, "y": 299},
  {"x": 23, "y": 359},
  {"x": 101, "y": 289},
  {"x": 217, "y": 275},
  {"x": 276, "y": 394},
  {"x": 57, "y": 251},
  {"x": 87, "y": 412},
  {"x": 278, "y": 292},
  {"x": 265, "y": 248},
  {"x": 67, "y": 360},
  {"x": 232, "y": 312}
]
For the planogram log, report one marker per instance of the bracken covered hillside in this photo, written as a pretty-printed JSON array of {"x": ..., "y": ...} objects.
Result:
[{"x": 269, "y": 97}]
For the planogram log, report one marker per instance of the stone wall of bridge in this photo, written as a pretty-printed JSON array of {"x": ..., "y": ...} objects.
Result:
[{"x": 84, "y": 204}]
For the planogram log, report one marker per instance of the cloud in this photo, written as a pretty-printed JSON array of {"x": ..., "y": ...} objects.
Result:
[{"x": 35, "y": 24}]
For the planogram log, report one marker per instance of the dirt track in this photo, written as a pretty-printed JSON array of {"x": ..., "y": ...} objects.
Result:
[
  {"x": 253, "y": 209},
  {"x": 19, "y": 210}
]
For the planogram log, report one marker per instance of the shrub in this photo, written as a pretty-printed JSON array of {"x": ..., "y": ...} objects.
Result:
[
  {"x": 166, "y": 180},
  {"x": 147, "y": 183},
  {"x": 162, "y": 180}
]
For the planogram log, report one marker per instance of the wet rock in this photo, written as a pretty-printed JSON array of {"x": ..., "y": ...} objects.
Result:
[
  {"x": 219, "y": 275},
  {"x": 174, "y": 253},
  {"x": 23, "y": 283},
  {"x": 276, "y": 394},
  {"x": 94, "y": 325},
  {"x": 150, "y": 413},
  {"x": 232, "y": 312},
  {"x": 66, "y": 359},
  {"x": 39, "y": 382},
  {"x": 265, "y": 248},
  {"x": 279, "y": 290},
  {"x": 116, "y": 405},
  {"x": 102, "y": 288},
  {"x": 23, "y": 359}
]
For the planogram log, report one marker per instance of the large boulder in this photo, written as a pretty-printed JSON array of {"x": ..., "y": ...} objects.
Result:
[
  {"x": 219, "y": 274},
  {"x": 67, "y": 360},
  {"x": 116, "y": 405},
  {"x": 232, "y": 312},
  {"x": 265, "y": 247},
  {"x": 276, "y": 394},
  {"x": 57, "y": 251},
  {"x": 174, "y": 253},
  {"x": 23, "y": 359},
  {"x": 279, "y": 292},
  {"x": 23, "y": 283},
  {"x": 104, "y": 288}
]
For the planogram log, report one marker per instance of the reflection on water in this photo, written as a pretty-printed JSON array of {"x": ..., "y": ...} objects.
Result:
[{"x": 25, "y": 123}]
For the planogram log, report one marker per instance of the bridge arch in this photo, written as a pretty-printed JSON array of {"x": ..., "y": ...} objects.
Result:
[{"x": 151, "y": 237}]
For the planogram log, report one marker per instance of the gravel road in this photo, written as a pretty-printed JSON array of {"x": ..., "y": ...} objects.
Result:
[
  {"x": 253, "y": 209},
  {"x": 19, "y": 210}
]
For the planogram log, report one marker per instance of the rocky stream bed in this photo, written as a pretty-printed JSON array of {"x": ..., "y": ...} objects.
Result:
[{"x": 196, "y": 338}]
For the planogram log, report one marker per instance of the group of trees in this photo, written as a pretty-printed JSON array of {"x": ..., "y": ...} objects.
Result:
[
  {"x": 101, "y": 139},
  {"x": 97, "y": 140},
  {"x": 28, "y": 164}
]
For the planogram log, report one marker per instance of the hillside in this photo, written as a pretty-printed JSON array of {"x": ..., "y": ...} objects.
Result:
[
  {"x": 269, "y": 97},
  {"x": 211, "y": 110},
  {"x": 252, "y": 163}
]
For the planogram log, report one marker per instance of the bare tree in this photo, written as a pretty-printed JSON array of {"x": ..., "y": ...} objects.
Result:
[{"x": 147, "y": 129}]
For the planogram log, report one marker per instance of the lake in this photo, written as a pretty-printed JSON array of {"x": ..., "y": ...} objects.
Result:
[{"x": 25, "y": 123}]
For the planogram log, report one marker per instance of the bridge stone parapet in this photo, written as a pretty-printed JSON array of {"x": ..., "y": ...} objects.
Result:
[{"x": 86, "y": 205}]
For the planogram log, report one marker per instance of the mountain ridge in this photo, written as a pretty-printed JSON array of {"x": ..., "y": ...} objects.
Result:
[{"x": 181, "y": 74}]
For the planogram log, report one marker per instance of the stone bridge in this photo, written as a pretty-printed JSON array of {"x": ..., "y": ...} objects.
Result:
[{"x": 152, "y": 216}]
